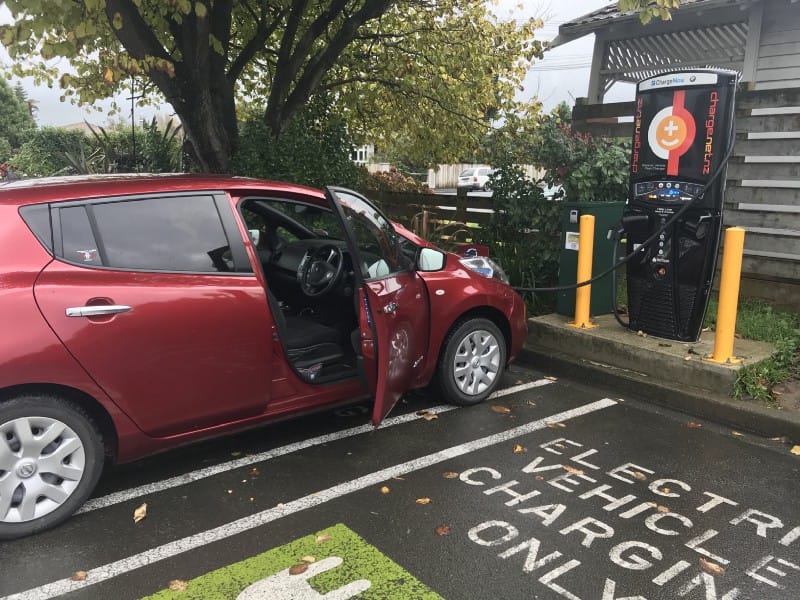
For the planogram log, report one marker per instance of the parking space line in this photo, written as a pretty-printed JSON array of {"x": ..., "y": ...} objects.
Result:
[
  {"x": 246, "y": 461},
  {"x": 176, "y": 547}
]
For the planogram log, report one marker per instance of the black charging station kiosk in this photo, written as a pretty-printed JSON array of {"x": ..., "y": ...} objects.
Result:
[{"x": 683, "y": 128}]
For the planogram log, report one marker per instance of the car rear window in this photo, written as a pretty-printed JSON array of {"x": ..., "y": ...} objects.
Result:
[
  {"x": 37, "y": 218},
  {"x": 467, "y": 172}
]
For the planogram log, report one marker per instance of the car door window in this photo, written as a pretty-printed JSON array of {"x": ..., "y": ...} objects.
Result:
[
  {"x": 176, "y": 234},
  {"x": 376, "y": 239}
]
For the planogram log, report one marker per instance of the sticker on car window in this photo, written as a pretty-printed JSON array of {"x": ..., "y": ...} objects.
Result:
[{"x": 87, "y": 255}]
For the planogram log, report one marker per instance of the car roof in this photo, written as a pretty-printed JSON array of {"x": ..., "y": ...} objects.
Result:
[{"x": 76, "y": 187}]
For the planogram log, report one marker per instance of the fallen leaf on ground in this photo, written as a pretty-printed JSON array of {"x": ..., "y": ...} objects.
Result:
[
  {"x": 639, "y": 475},
  {"x": 692, "y": 351},
  {"x": 662, "y": 509},
  {"x": 519, "y": 449},
  {"x": 254, "y": 472},
  {"x": 665, "y": 490},
  {"x": 711, "y": 568},
  {"x": 539, "y": 478},
  {"x": 694, "y": 425},
  {"x": 79, "y": 576},
  {"x": 795, "y": 450},
  {"x": 449, "y": 475},
  {"x": 309, "y": 559},
  {"x": 423, "y": 500},
  {"x": 140, "y": 513},
  {"x": 323, "y": 538},
  {"x": 236, "y": 453},
  {"x": 385, "y": 489},
  {"x": 531, "y": 403},
  {"x": 427, "y": 415},
  {"x": 737, "y": 434},
  {"x": 178, "y": 585},
  {"x": 555, "y": 425},
  {"x": 298, "y": 569},
  {"x": 780, "y": 438},
  {"x": 572, "y": 470},
  {"x": 442, "y": 530},
  {"x": 687, "y": 357},
  {"x": 653, "y": 504},
  {"x": 500, "y": 409}
]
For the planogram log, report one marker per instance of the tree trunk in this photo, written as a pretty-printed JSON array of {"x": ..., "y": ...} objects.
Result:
[{"x": 209, "y": 122}]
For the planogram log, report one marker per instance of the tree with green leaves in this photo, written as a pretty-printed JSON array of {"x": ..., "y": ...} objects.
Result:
[
  {"x": 15, "y": 120},
  {"x": 425, "y": 70},
  {"x": 649, "y": 9}
]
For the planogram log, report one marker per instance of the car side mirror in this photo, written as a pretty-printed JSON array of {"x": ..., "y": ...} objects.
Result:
[{"x": 431, "y": 259}]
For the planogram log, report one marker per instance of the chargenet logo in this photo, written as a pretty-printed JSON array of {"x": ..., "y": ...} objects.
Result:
[{"x": 672, "y": 132}]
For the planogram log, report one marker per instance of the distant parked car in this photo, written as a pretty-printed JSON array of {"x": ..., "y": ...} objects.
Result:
[
  {"x": 140, "y": 313},
  {"x": 552, "y": 192},
  {"x": 474, "y": 179}
]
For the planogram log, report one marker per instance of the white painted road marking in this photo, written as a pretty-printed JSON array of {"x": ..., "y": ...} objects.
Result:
[
  {"x": 246, "y": 461},
  {"x": 174, "y": 548}
]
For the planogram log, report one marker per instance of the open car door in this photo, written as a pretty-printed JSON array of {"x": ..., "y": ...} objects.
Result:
[{"x": 393, "y": 300}]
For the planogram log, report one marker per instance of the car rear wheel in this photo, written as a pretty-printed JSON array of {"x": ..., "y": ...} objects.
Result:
[
  {"x": 51, "y": 456},
  {"x": 472, "y": 362}
]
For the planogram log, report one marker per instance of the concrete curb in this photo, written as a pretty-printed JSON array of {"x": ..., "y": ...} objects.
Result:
[{"x": 738, "y": 414}]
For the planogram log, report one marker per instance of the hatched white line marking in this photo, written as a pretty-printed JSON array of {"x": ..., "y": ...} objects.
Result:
[
  {"x": 174, "y": 548},
  {"x": 246, "y": 461}
]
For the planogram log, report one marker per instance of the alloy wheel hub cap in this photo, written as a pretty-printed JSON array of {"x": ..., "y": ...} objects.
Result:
[{"x": 26, "y": 469}]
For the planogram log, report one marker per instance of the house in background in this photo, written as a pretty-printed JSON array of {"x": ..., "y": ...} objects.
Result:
[{"x": 760, "y": 39}]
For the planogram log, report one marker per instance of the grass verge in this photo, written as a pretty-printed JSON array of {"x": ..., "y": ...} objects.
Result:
[{"x": 758, "y": 320}]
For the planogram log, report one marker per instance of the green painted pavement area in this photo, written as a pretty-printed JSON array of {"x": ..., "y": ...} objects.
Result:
[{"x": 363, "y": 573}]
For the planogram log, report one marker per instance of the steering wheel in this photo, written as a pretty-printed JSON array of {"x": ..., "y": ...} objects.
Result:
[{"x": 322, "y": 270}]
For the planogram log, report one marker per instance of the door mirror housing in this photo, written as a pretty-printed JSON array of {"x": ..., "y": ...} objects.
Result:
[{"x": 431, "y": 259}]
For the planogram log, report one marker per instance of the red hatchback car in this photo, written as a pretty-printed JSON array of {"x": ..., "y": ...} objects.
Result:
[{"x": 144, "y": 312}]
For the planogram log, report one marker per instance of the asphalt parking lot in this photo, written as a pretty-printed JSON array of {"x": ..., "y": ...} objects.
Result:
[{"x": 552, "y": 489}]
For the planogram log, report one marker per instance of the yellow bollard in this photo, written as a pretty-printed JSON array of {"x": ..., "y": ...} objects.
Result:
[
  {"x": 728, "y": 297},
  {"x": 583, "y": 294}
]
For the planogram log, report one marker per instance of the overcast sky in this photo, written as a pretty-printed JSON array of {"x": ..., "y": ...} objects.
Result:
[{"x": 562, "y": 75}]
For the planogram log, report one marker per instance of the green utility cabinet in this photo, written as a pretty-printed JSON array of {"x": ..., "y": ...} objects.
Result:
[{"x": 606, "y": 216}]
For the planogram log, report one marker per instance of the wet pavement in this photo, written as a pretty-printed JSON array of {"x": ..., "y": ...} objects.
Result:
[{"x": 553, "y": 489}]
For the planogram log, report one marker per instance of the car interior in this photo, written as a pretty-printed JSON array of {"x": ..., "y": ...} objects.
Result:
[{"x": 311, "y": 282}]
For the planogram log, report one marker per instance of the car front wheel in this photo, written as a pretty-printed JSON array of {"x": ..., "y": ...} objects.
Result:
[
  {"x": 51, "y": 456},
  {"x": 472, "y": 362}
]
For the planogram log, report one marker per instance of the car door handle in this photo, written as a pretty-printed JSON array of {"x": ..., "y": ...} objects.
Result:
[
  {"x": 390, "y": 308},
  {"x": 97, "y": 311}
]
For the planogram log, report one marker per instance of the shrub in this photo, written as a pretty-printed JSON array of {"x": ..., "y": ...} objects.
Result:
[
  {"x": 523, "y": 233},
  {"x": 588, "y": 168},
  {"x": 314, "y": 150},
  {"x": 45, "y": 152}
]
